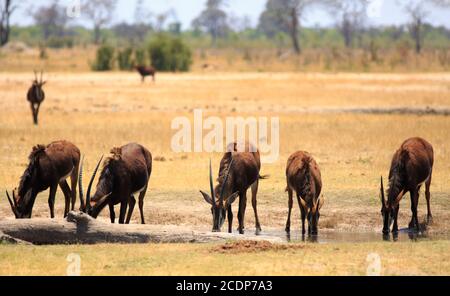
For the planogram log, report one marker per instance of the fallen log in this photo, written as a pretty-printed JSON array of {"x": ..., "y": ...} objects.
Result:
[{"x": 79, "y": 228}]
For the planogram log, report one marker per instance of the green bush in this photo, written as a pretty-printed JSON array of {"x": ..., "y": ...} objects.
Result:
[
  {"x": 104, "y": 59},
  {"x": 124, "y": 59},
  {"x": 60, "y": 42},
  {"x": 170, "y": 54}
]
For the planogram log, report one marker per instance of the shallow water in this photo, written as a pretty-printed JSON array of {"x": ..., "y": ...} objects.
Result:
[{"x": 356, "y": 237}]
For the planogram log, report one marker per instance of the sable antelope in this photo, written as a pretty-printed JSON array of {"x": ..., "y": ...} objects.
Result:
[
  {"x": 238, "y": 171},
  {"x": 124, "y": 174},
  {"x": 303, "y": 177},
  {"x": 411, "y": 166},
  {"x": 36, "y": 96},
  {"x": 49, "y": 166},
  {"x": 146, "y": 71}
]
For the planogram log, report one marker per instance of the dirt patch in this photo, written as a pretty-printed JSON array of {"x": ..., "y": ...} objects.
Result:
[{"x": 238, "y": 247}]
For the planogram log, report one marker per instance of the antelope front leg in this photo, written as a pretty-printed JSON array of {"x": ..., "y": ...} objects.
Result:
[
  {"x": 290, "y": 204},
  {"x": 303, "y": 217},
  {"x": 37, "y": 114},
  {"x": 33, "y": 112},
  {"x": 428, "y": 197},
  {"x": 112, "y": 214},
  {"x": 414, "y": 224},
  {"x": 123, "y": 211},
  {"x": 51, "y": 200},
  {"x": 241, "y": 213},
  {"x": 66, "y": 190},
  {"x": 230, "y": 219},
  {"x": 395, "y": 227},
  {"x": 130, "y": 209}
]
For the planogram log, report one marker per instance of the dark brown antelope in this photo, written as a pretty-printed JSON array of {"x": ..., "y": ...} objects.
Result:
[
  {"x": 36, "y": 96},
  {"x": 303, "y": 177},
  {"x": 124, "y": 174},
  {"x": 238, "y": 171},
  {"x": 146, "y": 71},
  {"x": 49, "y": 167},
  {"x": 411, "y": 167}
]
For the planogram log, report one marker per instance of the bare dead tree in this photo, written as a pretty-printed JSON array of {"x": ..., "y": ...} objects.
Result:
[
  {"x": 100, "y": 12},
  {"x": 351, "y": 15},
  {"x": 213, "y": 19},
  {"x": 52, "y": 19},
  {"x": 417, "y": 12},
  {"x": 285, "y": 15},
  {"x": 6, "y": 10}
]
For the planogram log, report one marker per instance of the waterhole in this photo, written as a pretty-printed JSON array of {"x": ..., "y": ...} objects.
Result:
[{"x": 356, "y": 237}]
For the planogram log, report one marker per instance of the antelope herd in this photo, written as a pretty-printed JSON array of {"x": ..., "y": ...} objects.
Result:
[{"x": 127, "y": 172}]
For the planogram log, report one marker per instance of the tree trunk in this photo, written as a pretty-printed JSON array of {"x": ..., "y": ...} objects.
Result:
[
  {"x": 80, "y": 228},
  {"x": 97, "y": 34},
  {"x": 4, "y": 23},
  {"x": 417, "y": 35},
  {"x": 294, "y": 31}
]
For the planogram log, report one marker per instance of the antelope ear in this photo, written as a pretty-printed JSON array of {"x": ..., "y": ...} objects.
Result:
[
  {"x": 231, "y": 199},
  {"x": 207, "y": 198},
  {"x": 43, "y": 83}
]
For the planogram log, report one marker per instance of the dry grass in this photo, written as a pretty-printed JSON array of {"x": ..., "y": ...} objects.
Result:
[
  {"x": 422, "y": 258},
  {"x": 99, "y": 111},
  {"x": 400, "y": 60}
]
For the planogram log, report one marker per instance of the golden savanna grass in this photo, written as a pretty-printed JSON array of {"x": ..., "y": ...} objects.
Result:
[
  {"x": 248, "y": 59},
  {"x": 99, "y": 111},
  {"x": 420, "y": 258}
]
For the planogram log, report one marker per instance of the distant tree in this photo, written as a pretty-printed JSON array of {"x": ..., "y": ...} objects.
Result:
[
  {"x": 351, "y": 16},
  {"x": 441, "y": 3},
  {"x": 100, "y": 12},
  {"x": 52, "y": 19},
  {"x": 213, "y": 20},
  {"x": 142, "y": 19},
  {"x": 174, "y": 28},
  {"x": 284, "y": 15},
  {"x": 240, "y": 24},
  {"x": 417, "y": 11},
  {"x": 6, "y": 10}
]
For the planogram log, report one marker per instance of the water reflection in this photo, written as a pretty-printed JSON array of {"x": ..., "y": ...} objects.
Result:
[{"x": 356, "y": 237}]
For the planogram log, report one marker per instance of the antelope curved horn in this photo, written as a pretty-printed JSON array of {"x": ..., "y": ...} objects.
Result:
[
  {"x": 13, "y": 206},
  {"x": 14, "y": 198},
  {"x": 80, "y": 184},
  {"x": 222, "y": 190},
  {"x": 42, "y": 73},
  {"x": 35, "y": 75},
  {"x": 88, "y": 193},
  {"x": 211, "y": 185},
  {"x": 383, "y": 198}
]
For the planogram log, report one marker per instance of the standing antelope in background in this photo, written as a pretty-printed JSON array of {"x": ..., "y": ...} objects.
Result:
[
  {"x": 303, "y": 177},
  {"x": 124, "y": 174},
  {"x": 238, "y": 171},
  {"x": 49, "y": 167},
  {"x": 146, "y": 71},
  {"x": 36, "y": 96},
  {"x": 411, "y": 166}
]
